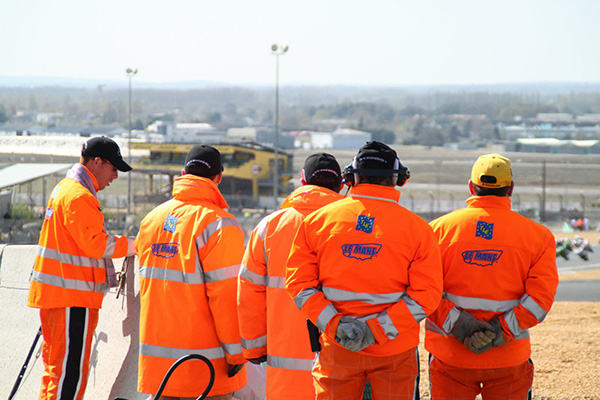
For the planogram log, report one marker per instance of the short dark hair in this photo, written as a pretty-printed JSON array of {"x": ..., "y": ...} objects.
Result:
[
  {"x": 326, "y": 182},
  {"x": 482, "y": 191},
  {"x": 377, "y": 180}
]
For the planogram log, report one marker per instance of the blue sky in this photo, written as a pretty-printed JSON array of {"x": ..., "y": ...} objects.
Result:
[{"x": 381, "y": 42}]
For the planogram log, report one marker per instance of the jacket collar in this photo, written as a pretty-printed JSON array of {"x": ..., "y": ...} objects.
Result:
[
  {"x": 192, "y": 188},
  {"x": 81, "y": 174},
  {"x": 376, "y": 192},
  {"x": 488, "y": 202},
  {"x": 310, "y": 197}
]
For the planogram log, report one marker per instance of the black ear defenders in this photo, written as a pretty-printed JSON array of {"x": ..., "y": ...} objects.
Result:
[{"x": 351, "y": 171}]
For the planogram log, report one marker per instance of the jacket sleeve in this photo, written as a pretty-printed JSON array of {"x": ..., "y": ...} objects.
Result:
[
  {"x": 302, "y": 283},
  {"x": 221, "y": 256},
  {"x": 540, "y": 289},
  {"x": 252, "y": 295},
  {"x": 422, "y": 295},
  {"x": 85, "y": 223}
]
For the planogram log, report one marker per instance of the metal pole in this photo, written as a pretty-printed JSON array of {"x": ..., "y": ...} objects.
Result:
[
  {"x": 276, "y": 160},
  {"x": 543, "y": 198},
  {"x": 129, "y": 152}
]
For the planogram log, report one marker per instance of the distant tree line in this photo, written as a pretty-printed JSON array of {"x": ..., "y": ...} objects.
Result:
[{"x": 429, "y": 116}]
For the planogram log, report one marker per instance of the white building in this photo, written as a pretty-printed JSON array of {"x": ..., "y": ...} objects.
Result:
[{"x": 343, "y": 138}]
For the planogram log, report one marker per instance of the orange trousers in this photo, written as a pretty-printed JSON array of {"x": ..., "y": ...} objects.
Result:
[
  {"x": 342, "y": 374},
  {"x": 448, "y": 382},
  {"x": 68, "y": 334}
]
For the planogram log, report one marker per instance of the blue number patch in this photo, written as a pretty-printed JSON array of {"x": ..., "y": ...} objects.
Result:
[{"x": 365, "y": 223}]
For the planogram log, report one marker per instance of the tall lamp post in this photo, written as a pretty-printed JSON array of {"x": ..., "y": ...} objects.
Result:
[
  {"x": 130, "y": 74},
  {"x": 277, "y": 50}
]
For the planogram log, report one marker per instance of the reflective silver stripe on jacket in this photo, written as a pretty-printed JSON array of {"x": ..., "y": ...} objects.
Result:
[
  {"x": 111, "y": 243},
  {"x": 65, "y": 283},
  {"x": 64, "y": 258},
  {"x": 530, "y": 305},
  {"x": 174, "y": 353},
  {"x": 298, "y": 364},
  {"x": 450, "y": 321},
  {"x": 251, "y": 344},
  {"x": 273, "y": 282},
  {"x": 415, "y": 308},
  {"x": 346, "y": 295},
  {"x": 474, "y": 303},
  {"x": 171, "y": 275},
  {"x": 252, "y": 276},
  {"x": 195, "y": 278},
  {"x": 388, "y": 326},
  {"x": 213, "y": 227},
  {"x": 232, "y": 348},
  {"x": 261, "y": 231},
  {"x": 304, "y": 295},
  {"x": 326, "y": 315},
  {"x": 373, "y": 198},
  {"x": 276, "y": 282},
  {"x": 221, "y": 274}
]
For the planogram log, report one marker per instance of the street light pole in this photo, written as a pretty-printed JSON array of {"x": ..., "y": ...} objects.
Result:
[
  {"x": 277, "y": 50},
  {"x": 130, "y": 74}
]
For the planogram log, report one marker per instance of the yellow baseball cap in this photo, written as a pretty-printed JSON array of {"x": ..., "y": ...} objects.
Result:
[{"x": 492, "y": 171}]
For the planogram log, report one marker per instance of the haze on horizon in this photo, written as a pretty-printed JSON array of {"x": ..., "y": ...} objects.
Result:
[{"x": 333, "y": 42}]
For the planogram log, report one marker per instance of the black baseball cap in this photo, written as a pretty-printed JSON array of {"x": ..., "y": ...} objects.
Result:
[
  {"x": 107, "y": 149},
  {"x": 206, "y": 157},
  {"x": 374, "y": 157},
  {"x": 322, "y": 167}
]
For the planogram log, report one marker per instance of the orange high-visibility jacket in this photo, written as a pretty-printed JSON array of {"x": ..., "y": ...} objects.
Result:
[
  {"x": 270, "y": 322},
  {"x": 190, "y": 251},
  {"x": 496, "y": 263},
  {"x": 69, "y": 270},
  {"x": 367, "y": 256}
]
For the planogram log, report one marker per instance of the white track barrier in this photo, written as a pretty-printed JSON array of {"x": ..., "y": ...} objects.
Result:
[{"x": 113, "y": 362}]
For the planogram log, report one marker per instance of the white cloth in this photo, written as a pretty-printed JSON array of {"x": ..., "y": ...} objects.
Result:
[{"x": 256, "y": 388}]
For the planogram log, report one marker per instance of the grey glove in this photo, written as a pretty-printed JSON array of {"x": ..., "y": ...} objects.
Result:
[
  {"x": 350, "y": 333},
  {"x": 362, "y": 339},
  {"x": 466, "y": 325},
  {"x": 479, "y": 342},
  {"x": 497, "y": 328}
]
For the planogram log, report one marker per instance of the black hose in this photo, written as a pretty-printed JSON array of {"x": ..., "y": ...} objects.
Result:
[
  {"x": 24, "y": 367},
  {"x": 180, "y": 361}
]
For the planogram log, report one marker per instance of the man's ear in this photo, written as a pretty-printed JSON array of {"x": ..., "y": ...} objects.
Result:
[
  {"x": 471, "y": 188},
  {"x": 302, "y": 178},
  {"x": 510, "y": 191},
  {"x": 218, "y": 178}
]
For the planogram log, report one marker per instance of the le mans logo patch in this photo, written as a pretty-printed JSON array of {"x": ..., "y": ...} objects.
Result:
[
  {"x": 365, "y": 223},
  {"x": 165, "y": 250},
  {"x": 170, "y": 224},
  {"x": 49, "y": 212},
  {"x": 363, "y": 251},
  {"x": 483, "y": 258},
  {"x": 484, "y": 230}
]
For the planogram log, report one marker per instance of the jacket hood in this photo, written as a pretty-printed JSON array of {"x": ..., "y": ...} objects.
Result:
[
  {"x": 310, "y": 197},
  {"x": 192, "y": 188}
]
